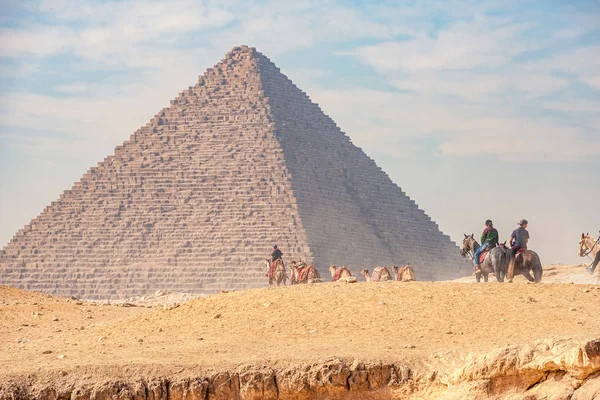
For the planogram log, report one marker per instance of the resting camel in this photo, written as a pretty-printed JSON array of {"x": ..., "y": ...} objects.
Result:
[
  {"x": 302, "y": 274},
  {"x": 404, "y": 274},
  {"x": 380, "y": 274},
  {"x": 277, "y": 273},
  {"x": 339, "y": 273}
]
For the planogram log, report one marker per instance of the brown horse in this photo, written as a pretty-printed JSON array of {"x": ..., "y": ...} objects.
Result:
[
  {"x": 277, "y": 274},
  {"x": 524, "y": 262}
]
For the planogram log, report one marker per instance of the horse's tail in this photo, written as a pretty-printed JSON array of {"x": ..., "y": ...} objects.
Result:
[{"x": 502, "y": 267}]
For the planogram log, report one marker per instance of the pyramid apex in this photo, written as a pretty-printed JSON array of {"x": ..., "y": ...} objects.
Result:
[{"x": 243, "y": 49}]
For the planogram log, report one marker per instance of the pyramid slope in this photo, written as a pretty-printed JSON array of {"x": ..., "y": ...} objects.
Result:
[
  {"x": 193, "y": 200},
  {"x": 351, "y": 209}
]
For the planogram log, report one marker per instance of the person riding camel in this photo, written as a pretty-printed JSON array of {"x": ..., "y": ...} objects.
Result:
[
  {"x": 276, "y": 255},
  {"x": 519, "y": 238},
  {"x": 489, "y": 239}
]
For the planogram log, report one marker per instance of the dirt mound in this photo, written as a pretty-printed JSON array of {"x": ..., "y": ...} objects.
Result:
[{"x": 407, "y": 339}]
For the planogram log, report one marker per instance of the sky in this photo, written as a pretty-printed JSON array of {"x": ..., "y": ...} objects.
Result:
[{"x": 477, "y": 109}]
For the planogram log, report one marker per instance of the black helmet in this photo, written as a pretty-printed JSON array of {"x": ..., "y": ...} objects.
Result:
[{"x": 489, "y": 222}]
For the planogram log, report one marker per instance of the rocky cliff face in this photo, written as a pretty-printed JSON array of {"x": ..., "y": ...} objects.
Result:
[{"x": 546, "y": 370}]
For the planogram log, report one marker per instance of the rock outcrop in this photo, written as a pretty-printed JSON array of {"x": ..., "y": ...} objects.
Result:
[
  {"x": 193, "y": 201},
  {"x": 546, "y": 370}
]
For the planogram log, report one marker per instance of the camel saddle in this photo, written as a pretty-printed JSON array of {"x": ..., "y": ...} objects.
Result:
[
  {"x": 303, "y": 273},
  {"x": 377, "y": 274},
  {"x": 406, "y": 274},
  {"x": 273, "y": 268}
]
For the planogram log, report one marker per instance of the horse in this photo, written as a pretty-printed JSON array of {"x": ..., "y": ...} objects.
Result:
[
  {"x": 522, "y": 263},
  {"x": 277, "y": 273},
  {"x": 589, "y": 246},
  {"x": 494, "y": 262}
]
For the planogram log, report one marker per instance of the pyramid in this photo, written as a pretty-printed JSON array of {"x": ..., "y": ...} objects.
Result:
[{"x": 195, "y": 199}]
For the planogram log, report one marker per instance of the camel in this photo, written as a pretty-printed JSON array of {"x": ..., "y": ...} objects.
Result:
[
  {"x": 495, "y": 261},
  {"x": 302, "y": 274},
  {"x": 380, "y": 274},
  {"x": 404, "y": 273},
  {"x": 339, "y": 273},
  {"x": 276, "y": 274},
  {"x": 590, "y": 247}
]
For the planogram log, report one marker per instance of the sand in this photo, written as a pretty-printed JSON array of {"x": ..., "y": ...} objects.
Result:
[{"x": 387, "y": 321}]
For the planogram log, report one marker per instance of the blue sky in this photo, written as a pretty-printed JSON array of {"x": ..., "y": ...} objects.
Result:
[{"x": 476, "y": 109}]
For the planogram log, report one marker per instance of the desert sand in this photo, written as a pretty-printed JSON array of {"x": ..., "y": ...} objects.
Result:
[{"x": 425, "y": 326}]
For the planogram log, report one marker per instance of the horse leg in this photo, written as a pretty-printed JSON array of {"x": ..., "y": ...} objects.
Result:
[
  {"x": 527, "y": 275},
  {"x": 526, "y": 267},
  {"x": 485, "y": 277},
  {"x": 478, "y": 277}
]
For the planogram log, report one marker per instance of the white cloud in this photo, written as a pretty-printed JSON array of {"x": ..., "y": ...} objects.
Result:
[
  {"x": 576, "y": 106},
  {"x": 20, "y": 70},
  {"x": 459, "y": 129},
  {"x": 474, "y": 62},
  {"x": 583, "y": 62},
  {"x": 479, "y": 86},
  {"x": 42, "y": 145},
  {"x": 40, "y": 41},
  {"x": 467, "y": 45},
  {"x": 72, "y": 88},
  {"x": 114, "y": 33}
]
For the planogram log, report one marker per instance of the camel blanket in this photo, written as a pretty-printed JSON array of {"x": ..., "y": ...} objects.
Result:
[
  {"x": 377, "y": 272},
  {"x": 406, "y": 274},
  {"x": 303, "y": 274},
  {"x": 273, "y": 268},
  {"x": 338, "y": 273}
]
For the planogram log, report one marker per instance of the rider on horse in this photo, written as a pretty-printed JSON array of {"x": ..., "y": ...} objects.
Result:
[
  {"x": 489, "y": 239},
  {"x": 519, "y": 238}
]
